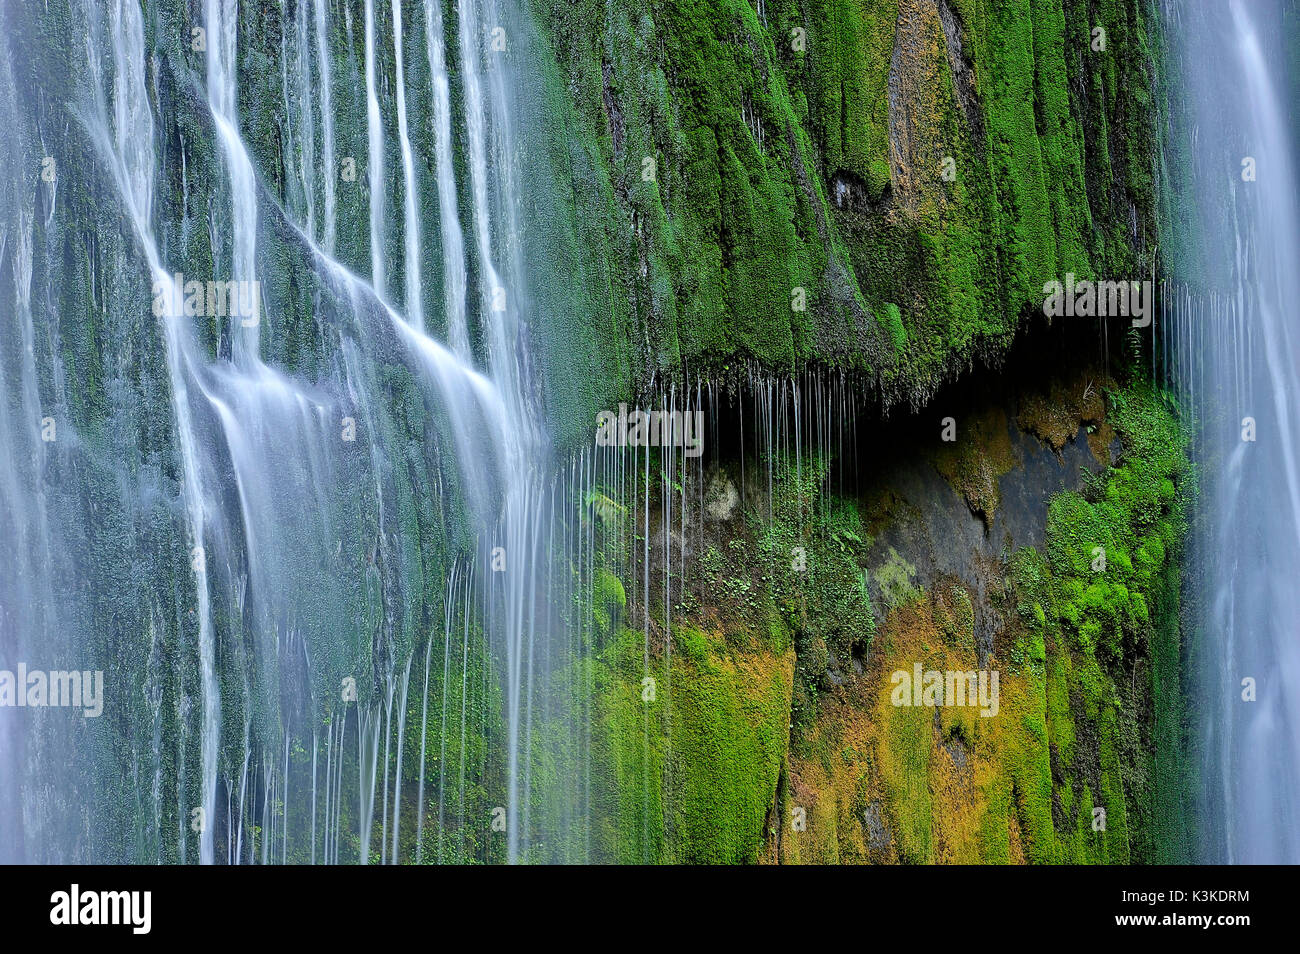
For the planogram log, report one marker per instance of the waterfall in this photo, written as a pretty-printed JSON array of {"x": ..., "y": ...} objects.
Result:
[
  {"x": 222, "y": 69},
  {"x": 453, "y": 240},
  {"x": 29, "y": 616},
  {"x": 333, "y": 492},
  {"x": 306, "y": 125},
  {"x": 328, "y": 171},
  {"x": 127, "y": 143},
  {"x": 414, "y": 308},
  {"x": 290, "y": 526},
  {"x": 493, "y": 296},
  {"x": 1233, "y": 352}
]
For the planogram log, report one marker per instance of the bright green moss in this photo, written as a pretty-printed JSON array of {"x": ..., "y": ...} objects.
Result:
[
  {"x": 1105, "y": 618},
  {"x": 686, "y": 767},
  {"x": 608, "y": 600}
]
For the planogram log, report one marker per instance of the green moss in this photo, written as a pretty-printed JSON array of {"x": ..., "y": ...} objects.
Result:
[
  {"x": 608, "y": 600},
  {"x": 1091, "y": 707},
  {"x": 687, "y": 772},
  {"x": 780, "y": 165},
  {"x": 1100, "y": 622}
]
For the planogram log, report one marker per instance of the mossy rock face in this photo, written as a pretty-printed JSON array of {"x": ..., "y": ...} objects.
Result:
[
  {"x": 879, "y": 185},
  {"x": 1073, "y": 755},
  {"x": 608, "y": 601},
  {"x": 974, "y": 463},
  {"x": 1081, "y": 757},
  {"x": 884, "y": 185}
]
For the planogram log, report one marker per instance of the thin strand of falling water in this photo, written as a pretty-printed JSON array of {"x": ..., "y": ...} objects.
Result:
[
  {"x": 574, "y": 622},
  {"x": 326, "y": 840},
  {"x": 566, "y": 576},
  {"x": 549, "y": 696},
  {"x": 268, "y": 820},
  {"x": 275, "y": 818},
  {"x": 327, "y": 844},
  {"x": 390, "y": 685},
  {"x": 424, "y": 736},
  {"x": 182, "y": 817},
  {"x": 327, "y": 127},
  {"x": 798, "y": 448},
  {"x": 307, "y": 158},
  {"x": 464, "y": 690},
  {"x": 411, "y": 201},
  {"x": 582, "y": 588},
  {"x": 243, "y": 789},
  {"x": 315, "y": 745},
  {"x": 740, "y": 428},
  {"x": 291, "y": 145},
  {"x": 329, "y": 790},
  {"x": 336, "y": 788},
  {"x": 222, "y": 66},
  {"x": 530, "y": 670},
  {"x": 448, "y": 610},
  {"x": 539, "y": 564},
  {"x": 590, "y": 456},
  {"x": 484, "y": 595},
  {"x": 453, "y": 239},
  {"x": 558, "y": 692},
  {"x": 401, "y": 748},
  {"x": 367, "y": 737},
  {"x": 765, "y": 384},
  {"x": 476, "y": 134},
  {"x": 681, "y": 562},
  {"x": 230, "y": 858},
  {"x": 129, "y": 153},
  {"x": 699, "y": 522},
  {"x": 583, "y": 592},
  {"x": 839, "y": 415},
  {"x": 338, "y": 782},
  {"x": 375, "y": 145}
]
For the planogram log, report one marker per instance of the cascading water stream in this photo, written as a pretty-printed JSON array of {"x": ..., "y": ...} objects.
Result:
[
  {"x": 222, "y": 66},
  {"x": 327, "y": 128},
  {"x": 411, "y": 200},
  {"x": 29, "y": 614},
  {"x": 1235, "y": 356},
  {"x": 345, "y": 531},
  {"x": 370, "y": 502},
  {"x": 306, "y": 126},
  {"x": 128, "y": 144}
]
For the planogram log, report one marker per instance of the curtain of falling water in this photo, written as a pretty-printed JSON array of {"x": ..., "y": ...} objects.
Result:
[
  {"x": 305, "y": 556},
  {"x": 316, "y": 526},
  {"x": 1232, "y": 349}
]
